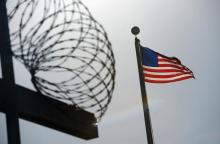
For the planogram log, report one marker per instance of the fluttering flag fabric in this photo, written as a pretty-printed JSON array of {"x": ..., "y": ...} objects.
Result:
[{"x": 159, "y": 68}]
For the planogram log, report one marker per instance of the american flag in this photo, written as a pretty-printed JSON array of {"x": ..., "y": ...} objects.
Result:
[{"x": 162, "y": 69}]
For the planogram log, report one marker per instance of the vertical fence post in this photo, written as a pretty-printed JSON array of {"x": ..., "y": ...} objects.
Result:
[{"x": 8, "y": 77}]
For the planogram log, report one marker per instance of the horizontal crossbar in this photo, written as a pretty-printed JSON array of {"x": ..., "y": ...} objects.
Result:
[{"x": 46, "y": 111}]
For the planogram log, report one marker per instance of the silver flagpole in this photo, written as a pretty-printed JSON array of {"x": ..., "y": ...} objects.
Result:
[{"x": 135, "y": 31}]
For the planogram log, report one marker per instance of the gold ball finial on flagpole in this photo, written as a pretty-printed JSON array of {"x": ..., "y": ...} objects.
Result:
[{"x": 135, "y": 30}]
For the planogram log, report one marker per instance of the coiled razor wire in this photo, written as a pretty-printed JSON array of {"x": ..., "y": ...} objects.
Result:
[{"x": 66, "y": 51}]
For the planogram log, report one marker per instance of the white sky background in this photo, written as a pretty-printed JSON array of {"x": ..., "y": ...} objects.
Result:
[{"x": 182, "y": 112}]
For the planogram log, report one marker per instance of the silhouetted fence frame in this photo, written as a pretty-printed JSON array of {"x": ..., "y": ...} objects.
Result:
[{"x": 19, "y": 102}]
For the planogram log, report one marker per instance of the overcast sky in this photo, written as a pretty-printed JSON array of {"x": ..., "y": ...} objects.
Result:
[{"x": 181, "y": 112}]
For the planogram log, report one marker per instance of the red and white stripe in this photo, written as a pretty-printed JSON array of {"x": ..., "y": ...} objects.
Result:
[{"x": 168, "y": 70}]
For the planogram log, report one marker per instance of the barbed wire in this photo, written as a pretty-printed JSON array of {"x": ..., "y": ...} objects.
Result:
[{"x": 66, "y": 51}]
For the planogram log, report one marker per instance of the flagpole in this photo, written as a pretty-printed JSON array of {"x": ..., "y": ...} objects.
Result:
[{"x": 135, "y": 31}]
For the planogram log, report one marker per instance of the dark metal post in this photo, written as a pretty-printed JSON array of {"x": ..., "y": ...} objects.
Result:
[
  {"x": 149, "y": 132},
  {"x": 8, "y": 76}
]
